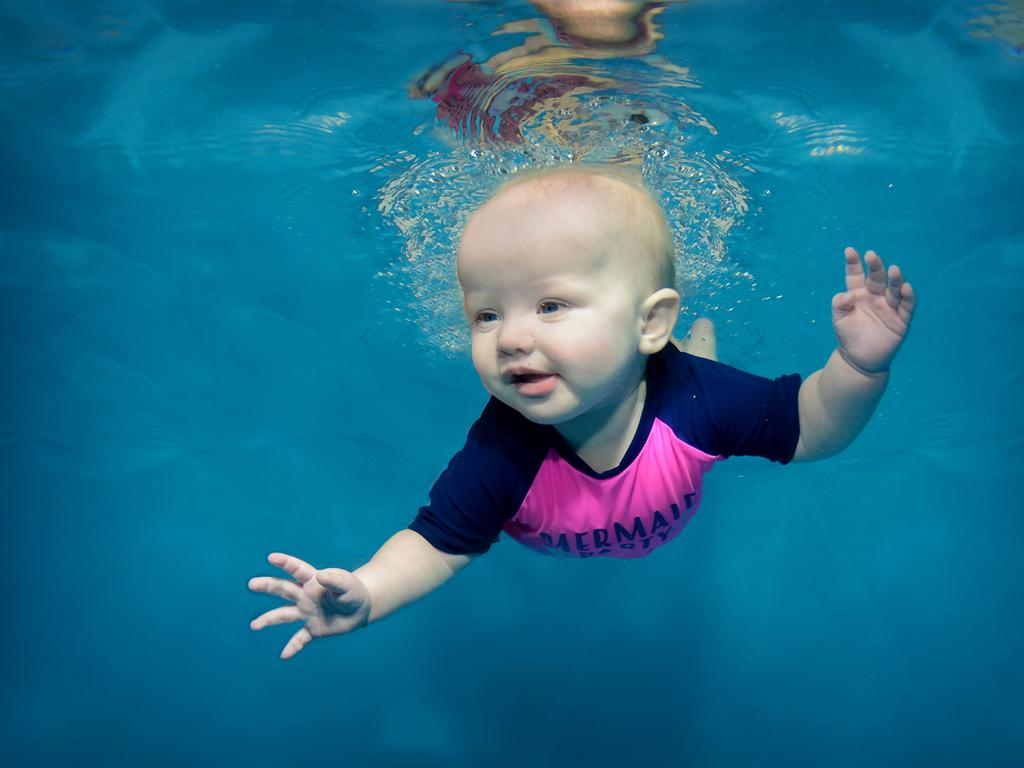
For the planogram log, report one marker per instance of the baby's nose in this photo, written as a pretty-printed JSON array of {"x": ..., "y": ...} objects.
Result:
[{"x": 515, "y": 336}]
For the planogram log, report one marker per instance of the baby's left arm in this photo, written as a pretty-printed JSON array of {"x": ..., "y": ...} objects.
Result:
[{"x": 870, "y": 320}]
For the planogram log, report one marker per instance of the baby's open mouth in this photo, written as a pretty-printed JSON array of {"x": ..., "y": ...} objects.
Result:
[
  {"x": 532, "y": 383},
  {"x": 522, "y": 378}
]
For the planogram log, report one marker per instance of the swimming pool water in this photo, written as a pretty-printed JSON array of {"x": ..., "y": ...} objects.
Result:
[{"x": 230, "y": 329}]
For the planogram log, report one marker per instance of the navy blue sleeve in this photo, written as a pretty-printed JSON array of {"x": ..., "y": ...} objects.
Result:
[
  {"x": 728, "y": 412},
  {"x": 484, "y": 483}
]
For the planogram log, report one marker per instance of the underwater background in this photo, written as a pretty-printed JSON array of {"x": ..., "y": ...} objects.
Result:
[{"x": 230, "y": 326}]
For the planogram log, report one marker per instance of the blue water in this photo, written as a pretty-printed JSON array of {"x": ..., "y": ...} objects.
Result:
[{"x": 222, "y": 339}]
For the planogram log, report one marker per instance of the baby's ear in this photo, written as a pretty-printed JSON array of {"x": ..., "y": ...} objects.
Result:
[{"x": 658, "y": 315}]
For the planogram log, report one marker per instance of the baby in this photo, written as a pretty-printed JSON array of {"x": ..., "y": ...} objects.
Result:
[{"x": 600, "y": 426}]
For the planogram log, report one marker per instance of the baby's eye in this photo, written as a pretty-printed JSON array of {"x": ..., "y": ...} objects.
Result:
[
  {"x": 550, "y": 307},
  {"x": 487, "y": 316}
]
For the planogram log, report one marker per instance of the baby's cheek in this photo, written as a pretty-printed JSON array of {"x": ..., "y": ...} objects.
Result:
[
  {"x": 612, "y": 356},
  {"x": 481, "y": 357},
  {"x": 593, "y": 358}
]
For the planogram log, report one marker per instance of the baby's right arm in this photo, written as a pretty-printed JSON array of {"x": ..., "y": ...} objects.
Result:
[{"x": 333, "y": 601}]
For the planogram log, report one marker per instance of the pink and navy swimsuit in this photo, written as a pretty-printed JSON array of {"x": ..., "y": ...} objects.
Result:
[{"x": 523, "y": 478}]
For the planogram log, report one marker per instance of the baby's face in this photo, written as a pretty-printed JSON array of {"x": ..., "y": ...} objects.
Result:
[{"x": 554, "y": 313}]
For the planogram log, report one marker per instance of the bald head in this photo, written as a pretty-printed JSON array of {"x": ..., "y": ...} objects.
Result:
[{"x": 611, "y": 205}]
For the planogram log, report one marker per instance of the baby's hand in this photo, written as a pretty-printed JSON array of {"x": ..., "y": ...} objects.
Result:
[
  {"x": 330, "y": 601},
  {"x": 870, "y": 318}
]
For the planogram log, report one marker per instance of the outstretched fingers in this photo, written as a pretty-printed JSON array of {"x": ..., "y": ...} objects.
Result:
[
  {"x": 299, "y": 641},
  {"x": 302, "y": 572},
  {"x": 283, "y": 615},
  {"x": 876, "y": 281},
  {"x": 893, "y": 295},
  {"x": 299, "y": 569},
  {"x": 900, "y": 295},
  {"x": 907, "y": 302},
  {"x": 289, "y": 590},
  {"x": 854, "y": 269}
]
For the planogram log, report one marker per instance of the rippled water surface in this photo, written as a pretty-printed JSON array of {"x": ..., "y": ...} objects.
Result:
[{"x": 231, "y": 327}]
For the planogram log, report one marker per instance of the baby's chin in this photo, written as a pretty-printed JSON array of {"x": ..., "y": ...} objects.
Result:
[
  {"x": 548, "y": 421},
  {"x": 544, "y": 413}
]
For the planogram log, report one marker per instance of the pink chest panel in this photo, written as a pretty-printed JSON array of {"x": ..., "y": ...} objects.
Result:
[{"x": 570, "y": 514}]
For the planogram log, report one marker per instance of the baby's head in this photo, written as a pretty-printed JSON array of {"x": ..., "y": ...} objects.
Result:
[{"x": 568, "y": 281}]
